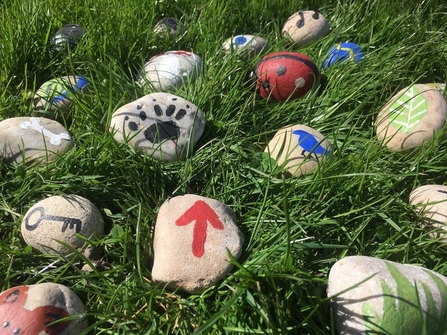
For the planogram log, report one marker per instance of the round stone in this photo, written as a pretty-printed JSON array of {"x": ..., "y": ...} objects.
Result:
[
  {"x": 286, "y": 75},
  {"x": 165, "y": 126},
  {"x": 305, "y": 27},
  {"x": 248, "y": 46},
  {"x": 32, "y": 309},
  {"x": 168, "y": 27},
  {"x": 413, "y": 116},
  {"x": 438, "y": 86},
  {"x": 374, "y": 296},
  {"x": 192, "y": 238},
  {"x": 57, "y": 94},
  {"x": 299, "y": 149},
  {"x": 61, "y": 218},
  {"x": 342, "y": 53},
  {"x": 28, "y": 138},
  {"x": 431, "y": 202},
  {"x": 170, "y": 70},
  {"x": 67, "y": 37}
]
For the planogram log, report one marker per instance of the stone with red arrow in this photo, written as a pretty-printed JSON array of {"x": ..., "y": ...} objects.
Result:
[{"x": 192, "y": 241}]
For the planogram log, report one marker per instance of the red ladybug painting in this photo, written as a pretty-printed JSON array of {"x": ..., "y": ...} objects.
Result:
[{"x": 286, "y": 75}]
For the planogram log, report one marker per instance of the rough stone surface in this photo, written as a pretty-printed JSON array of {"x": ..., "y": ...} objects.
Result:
[
  {"x": 414, "y": 115},
  {"x": 170, "y": 70},
  {"x": 168, "y": 27},
  {"x": 431, "y": 202},
  {"x": 373, "y": 296},
  {"x": 30, "y": 309},
  {"x": 60, "y": 218},
  {"x": 248, "y": 46},
  {"x": 192, "y": 238},
  {"x": 305, "y": 27},
  {"x": 299, "y": 149},
  {"x": 165, "y": 126},
  {"x": 32, "y": 138},
  {"x": 66, "y": 38},
  {"x": 57, "y": 94}
]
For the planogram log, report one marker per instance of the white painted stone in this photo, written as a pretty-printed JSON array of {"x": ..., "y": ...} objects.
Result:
[
  {"x": 170, "y": 70},
  {"x": 431, "y": 202},
  {"x": 305, "y": 27},
  {"x": 248, "y": 46},
  {"x": 369, "y": 294},
  {"x": 30, "y": 309},
  {"x": 192, "y": 238},
  {"x": 60, "y": 218},
  {"x": 31, "y": 138},
  {"x": 163, "y": 125},
  {"x": 413, "y": 116},
  {"x": 299, "y": 149}
]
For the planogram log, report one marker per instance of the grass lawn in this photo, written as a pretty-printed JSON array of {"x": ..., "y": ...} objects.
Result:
[{"x": 295, "y": 229}]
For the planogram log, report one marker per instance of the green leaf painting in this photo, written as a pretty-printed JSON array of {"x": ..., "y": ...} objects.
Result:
[
  {"x": 402, "y": 311},
  {"x": 408, "y": 110}
]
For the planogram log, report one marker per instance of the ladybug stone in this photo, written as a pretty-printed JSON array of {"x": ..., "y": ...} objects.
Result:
[{"x": 286, "y": 75}]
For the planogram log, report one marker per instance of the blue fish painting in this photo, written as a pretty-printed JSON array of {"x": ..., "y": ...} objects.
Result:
[{"x": 309, "y": 143}]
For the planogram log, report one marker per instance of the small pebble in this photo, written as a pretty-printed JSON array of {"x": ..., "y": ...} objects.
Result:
[
  {"x": 248, "y": 46},
  {"x": 66, "y": 38},
  {"x": 305, "y": 27},
  {"x": 169, "y": 27}
]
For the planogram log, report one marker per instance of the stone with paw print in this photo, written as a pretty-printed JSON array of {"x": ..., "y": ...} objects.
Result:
[{"x": 165, "y": 126}]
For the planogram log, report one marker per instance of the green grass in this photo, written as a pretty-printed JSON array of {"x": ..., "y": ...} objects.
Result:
[{"x": 295, "y": 229}]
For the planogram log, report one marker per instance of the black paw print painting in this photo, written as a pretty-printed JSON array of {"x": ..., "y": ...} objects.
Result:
[{"x": 165, "y": 126}]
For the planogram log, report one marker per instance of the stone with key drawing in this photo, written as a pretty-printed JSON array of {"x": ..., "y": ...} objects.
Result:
[
  {"x": 374, "y": 296},
  {"x": 193, "y": 236},
  {"x": 59, "y": 219},
  {"x": 28, "y": 138}
]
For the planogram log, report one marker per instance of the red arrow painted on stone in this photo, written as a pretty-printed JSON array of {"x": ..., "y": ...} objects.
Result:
[{"x": 201, "y": 213}]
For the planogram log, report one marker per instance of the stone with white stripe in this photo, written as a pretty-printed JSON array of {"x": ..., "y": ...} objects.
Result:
[{"x": 413, "y": 116}]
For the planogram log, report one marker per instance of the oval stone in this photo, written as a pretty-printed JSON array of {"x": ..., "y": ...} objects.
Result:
[
  {"x": 431, "y": 202},
  {"x": 61, "y": 218},
  {"x": 168, "y": 27},
  {"x": 165, "y": 126},
  {"x": 248, "y": 46},
  {"x": 374, "y": 296},
  {"x": 299, "y": 149},
  {"x": 342, "y": 53},
  {"x": 171, "y": 69},
  {"x": 28, "y": 138},
  {"x": 192, "y": 238},
  {"x": 305, "y": 27},
  {"x": 66, "y": 38},
  {"x": 413, "y": 116},
  {"x": 32, "y": 309}
]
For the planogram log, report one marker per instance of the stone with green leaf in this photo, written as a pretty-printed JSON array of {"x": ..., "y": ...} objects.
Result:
[
  {"x": 413, "y": 116},
  {"x": 375, "y": 296}
]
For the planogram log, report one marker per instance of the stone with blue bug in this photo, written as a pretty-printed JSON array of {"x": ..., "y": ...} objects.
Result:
[{"x": 342, "y": 53}]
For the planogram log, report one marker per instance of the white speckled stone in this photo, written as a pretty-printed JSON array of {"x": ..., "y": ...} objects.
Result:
[
  {"x": 300, "y": 149},
  {"x": 248, "y": 46},
  {"x": 192, "y": 238},
  {"x": 168, "y": 27},
  {"x": 31, "y": 138},
  {"x": 170, "y": 70},
  {"x": 305, "y": 27},
  {"x": 431, "y": 202},
  {"x": 374, "y": 296},
  {"x": 165, "y": 126},
  {"x": 31, "y": 309},
  {"x": 60, "y": 218}
]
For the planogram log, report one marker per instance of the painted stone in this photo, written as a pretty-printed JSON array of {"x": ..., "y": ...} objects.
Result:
[
  {"x": 438, "y": 86},
  {"x": 168, "y": 27},
  {"x": 32, "y": 309},
  {"x": 342, "y": 53},
  {"x": 374, "y": 296},
  {"x": 68, "y": 37},
  {"x": 413, "y": 116},
  {"x": 299, "y": 149},
  {"x": 431, "y": 202},
  {"x": 170, "y": 70},
  {"x": 286, "y": 75},
  {"x": 305, "y": 27},
  {"x": 28, "y": 138},
  {"x": 60, "y": 218},
  {"x": 248, "y": 46},
  {"x": 57, "y": 94},
  {"x": 165, "y": 126},
  {"x": 192, "y": 238}
]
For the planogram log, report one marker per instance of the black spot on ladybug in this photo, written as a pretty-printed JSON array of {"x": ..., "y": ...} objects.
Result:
[
  {"x": 5, "y": 324},
  {"x": 281, "y": 70},
  {"x": 143, "y": 115}
]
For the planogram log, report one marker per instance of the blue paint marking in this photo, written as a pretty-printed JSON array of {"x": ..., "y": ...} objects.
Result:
[
  {"x": 80, "y": 84},
  {"x": 309, "y": 143},
  {"x": 343, "y": 52},
  {"x": 240, "y": 40}
]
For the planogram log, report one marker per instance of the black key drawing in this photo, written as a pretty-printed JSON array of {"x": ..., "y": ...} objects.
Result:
[{"x": 70, "y": 223}]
